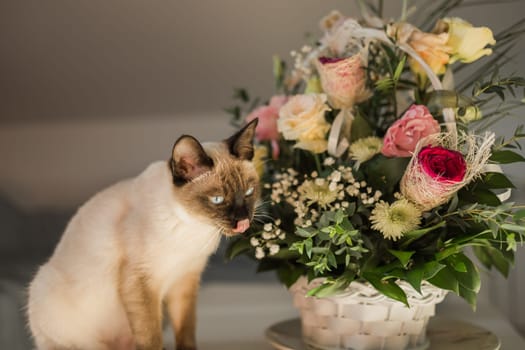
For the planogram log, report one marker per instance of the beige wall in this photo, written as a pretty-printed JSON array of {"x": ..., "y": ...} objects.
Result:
[{"x": 82, "y": 81}]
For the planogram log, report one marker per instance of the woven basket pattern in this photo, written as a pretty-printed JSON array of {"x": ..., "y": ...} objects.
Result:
[{"x": 361, "y": 318}]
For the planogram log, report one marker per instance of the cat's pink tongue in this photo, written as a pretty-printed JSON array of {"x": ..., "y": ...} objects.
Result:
[{"x": 242, "y": 226}]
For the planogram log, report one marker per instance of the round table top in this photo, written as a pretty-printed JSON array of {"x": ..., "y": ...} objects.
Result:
[{"x": 443, "y": 334}]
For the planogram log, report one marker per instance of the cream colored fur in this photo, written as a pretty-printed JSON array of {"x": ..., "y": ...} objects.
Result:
[{"x": 74, "y": 300}]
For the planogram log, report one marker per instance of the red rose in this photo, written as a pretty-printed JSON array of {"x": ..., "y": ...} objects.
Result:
[{"x": 442, "y": 164}]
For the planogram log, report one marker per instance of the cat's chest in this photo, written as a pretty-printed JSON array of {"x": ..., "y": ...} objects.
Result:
[{"x": 181, "y": 250}]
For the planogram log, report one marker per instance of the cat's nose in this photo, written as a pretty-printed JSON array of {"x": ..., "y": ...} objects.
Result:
[{"x": 242, "y": 226}]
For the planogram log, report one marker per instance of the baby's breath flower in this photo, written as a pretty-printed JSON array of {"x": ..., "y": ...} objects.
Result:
[
  {"x": 364, "y": 149},
  {"x": 268, "y": 227},
  {"x": 254, "y": 242},
  {"x": 393, "y": 220},
  {"x": 267, "y": 235},
  {"x": 329, "y": 161},
  {"x": 259, "y": 253},
  {"x": 335, "y": 176},
  {"x": 274, "y": 249}
]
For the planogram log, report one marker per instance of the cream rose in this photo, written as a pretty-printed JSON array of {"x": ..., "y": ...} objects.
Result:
[
  {"x": 467, "y": 42},
  {"x": 343, "y": 80},
  {"x": 302, "y": 119}
]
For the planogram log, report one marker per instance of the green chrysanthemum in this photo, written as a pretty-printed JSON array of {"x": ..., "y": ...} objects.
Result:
[
  {"x": 364, "y": 149},
  {"x": 393, "y": 220}
]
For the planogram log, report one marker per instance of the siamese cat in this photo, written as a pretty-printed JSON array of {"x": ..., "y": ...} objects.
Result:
[{"x": 142, "y": 244}]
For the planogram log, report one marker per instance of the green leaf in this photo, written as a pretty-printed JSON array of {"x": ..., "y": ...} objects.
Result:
[
  {"x": 301, "y": 232},
  {"x": 499, "y": 261},
  {"x": 399, "y": 68},
  {"x": 328, "y": 289},
  {"x": 511, "y": 242},
  {"x": 308, "y": 247},
  {"x": 512, "y": 227},
  {"x": 497, "y": 180},
  {"x": 411, "y": 236},
  {"x": 286, "y": 254},
  {"x": 268, "y": 265},
  {"x": 388, "y": 287},
  {"x": 482, "y": 256},
  {"x": 360, "y": 128},
  {"x": 237, "y": 248},
  {"x": 385, "y": 173},
  {"x": 299, "y": 246},
  {"x": 457, "y": 265},
  {"x": 445, "y": 253},
  {"x": 484, "y": 196},
  {"x": 235, "y": 111},
  {"x": 241, "y": 94},
  {"x": 278, "y": 71},
  {"x": 414, "y": 277},
  {"x": 288, "y": 274},
  {"x": 431, "y": 268},
  {"x": 469, "y": 295},
  {"x": 506, "y": 157},
  {"x": 520, "y": 214},
  {"x": 331, "y": 259},
  {"x": 445, "y": 279},
  {"x": 470, "y": 278},
  {"x": 402, "y": 256}
]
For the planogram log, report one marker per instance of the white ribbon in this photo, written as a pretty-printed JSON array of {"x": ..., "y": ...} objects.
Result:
[{"x": 339, "y": 138}]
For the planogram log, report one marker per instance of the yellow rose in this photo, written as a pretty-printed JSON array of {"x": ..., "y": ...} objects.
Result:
[
  {"x": 467, "y": 42},
  {"x": 302, "y": 119},
  {"x": 432, "y": 48}
]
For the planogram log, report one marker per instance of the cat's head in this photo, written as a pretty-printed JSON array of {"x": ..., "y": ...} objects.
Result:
[{"x": 217, "y": 182}]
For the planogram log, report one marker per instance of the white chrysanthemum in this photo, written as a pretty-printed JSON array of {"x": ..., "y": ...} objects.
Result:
[
  {"x": 254, "y": 242},
  {"x": 364, "y": 149},
  {"x": 393, "y": 220}
]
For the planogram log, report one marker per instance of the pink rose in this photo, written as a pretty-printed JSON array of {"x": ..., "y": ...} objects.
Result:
[
  {"x": 267, "y": 126},
  {"x": 402, "y": 137}
]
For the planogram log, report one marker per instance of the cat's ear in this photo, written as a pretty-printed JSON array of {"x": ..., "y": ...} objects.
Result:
[
  {"x": 188, "y": 160},
  {"x": 241, "y": 143}
]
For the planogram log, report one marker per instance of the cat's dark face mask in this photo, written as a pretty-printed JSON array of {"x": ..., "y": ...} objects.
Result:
[{"x": 219, "y": 184}]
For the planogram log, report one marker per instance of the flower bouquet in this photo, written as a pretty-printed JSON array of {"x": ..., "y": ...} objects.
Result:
[{"x": 377, "y": 161}]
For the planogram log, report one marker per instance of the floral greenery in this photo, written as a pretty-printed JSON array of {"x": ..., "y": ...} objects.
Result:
[{"x": 350, "y": 216}]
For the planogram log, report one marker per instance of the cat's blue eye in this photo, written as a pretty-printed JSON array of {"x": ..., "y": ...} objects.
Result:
[
  {"x": 217, "y": 199},
  {"x": 249, "y": 192}
]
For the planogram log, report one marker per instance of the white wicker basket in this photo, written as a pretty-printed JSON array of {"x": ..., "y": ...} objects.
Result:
[{"x": 361, "y": 318}]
